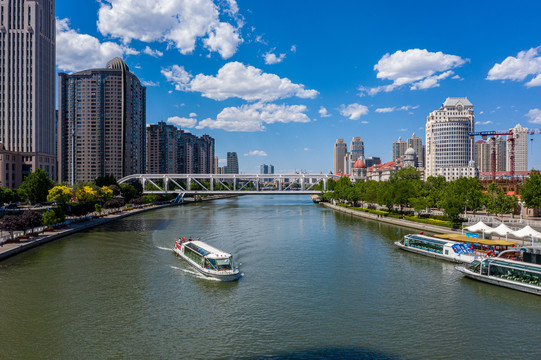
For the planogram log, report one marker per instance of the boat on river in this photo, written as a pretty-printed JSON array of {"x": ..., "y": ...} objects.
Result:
[
  {"x": 438, "y": 248},
  {"x": 518, "y": 269},
  {"x": 208, "y": 260}
]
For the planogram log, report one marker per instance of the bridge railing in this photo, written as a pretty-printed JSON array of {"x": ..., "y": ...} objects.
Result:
[{"x": 231, "y": 183}]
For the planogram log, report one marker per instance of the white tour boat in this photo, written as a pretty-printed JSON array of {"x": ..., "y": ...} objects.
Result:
[
  {"x": 207, "y": 260},
  {"x": 521, "y": 273},
  {"x": 438, "y": 248}
]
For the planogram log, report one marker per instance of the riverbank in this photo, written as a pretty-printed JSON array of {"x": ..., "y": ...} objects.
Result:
[
  {"x": 399, "y": 222},
  {"x": 8, "y": 250}
]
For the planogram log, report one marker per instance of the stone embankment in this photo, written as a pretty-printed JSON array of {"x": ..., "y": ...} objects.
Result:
[{"x": 405, "y": 223}]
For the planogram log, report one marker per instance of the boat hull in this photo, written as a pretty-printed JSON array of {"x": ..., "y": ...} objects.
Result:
[
  {"x": 532, "y": 289},
  {"x": 463, "y": 259},
  {"x": 221, "y": 276}
]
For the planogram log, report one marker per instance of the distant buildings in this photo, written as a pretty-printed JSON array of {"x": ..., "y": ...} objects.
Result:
[
  {"x": 266, "y": 169},
  {"x": 340, "y": 151},
  {"x": 232, "y": 163},
  {"x": 399, "y": 148},
  {"x": 101, "y": 123},
  {"x": 27, "y": 90},
  {"x": 448, "y": 147},
  {"x": 520, "y": 136},
  {"x": 174, "y": 151}
]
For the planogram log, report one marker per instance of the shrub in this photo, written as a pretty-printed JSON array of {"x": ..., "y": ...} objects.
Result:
[{"x": 114, "y": 203}]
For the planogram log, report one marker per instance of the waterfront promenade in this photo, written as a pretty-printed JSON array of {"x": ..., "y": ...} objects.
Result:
[{"x": 11, "y": 249}]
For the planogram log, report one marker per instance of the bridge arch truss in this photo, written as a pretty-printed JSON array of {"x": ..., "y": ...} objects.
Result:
[{"x": 234, "y": 184}]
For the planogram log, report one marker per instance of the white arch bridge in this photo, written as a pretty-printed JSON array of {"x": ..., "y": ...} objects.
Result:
[{"x": 233, "y": 184}]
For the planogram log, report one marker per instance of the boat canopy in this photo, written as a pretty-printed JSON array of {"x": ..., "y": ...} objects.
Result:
[
  {"x": 480, "y": 226},
  {"x": 210, "y": 252},
  {"x": 527, "y": 231},
  {"x": 464, "y": 238}
]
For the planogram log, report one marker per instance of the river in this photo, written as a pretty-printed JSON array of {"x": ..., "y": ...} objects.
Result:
[{"x": 316, "y": 284}]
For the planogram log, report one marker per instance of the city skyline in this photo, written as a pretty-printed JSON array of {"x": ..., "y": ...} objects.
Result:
[{"x": 267, "y": 91}]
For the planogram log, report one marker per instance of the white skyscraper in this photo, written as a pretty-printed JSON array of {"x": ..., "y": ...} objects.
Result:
[
  {"x": 448, "y": 146},
  {"x": 340, "y": 151},
  {"x": 27, "y": 88},
  {"x": 520, "y": 136}
]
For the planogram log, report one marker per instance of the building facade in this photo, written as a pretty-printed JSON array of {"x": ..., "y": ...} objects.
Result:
[
  {"x": 520, "y": 138},
  {"x": 27, "y": 88},
  {"x": 101, "y": 123},
  {"x": 162, "y": 155},
  {"x": 340, "y": 151},
  {"x": 448, "y": 145},
  {"x": 232, "y": 166},
  {"x": 266, "y": 169},
  {"x": 416, "y": 143},
  {"x": 399, "y": 148}
]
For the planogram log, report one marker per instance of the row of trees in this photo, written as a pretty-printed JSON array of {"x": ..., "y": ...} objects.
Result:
[{"x": 406, "y": 190}]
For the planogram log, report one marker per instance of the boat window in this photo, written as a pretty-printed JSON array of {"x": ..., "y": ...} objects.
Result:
[
  {"x": 210, "y": 264},
  {"x": 191, "y": 254},
  {"x": 513, "y": 274},
  {"x": 223, "y": 264},
  {"x": 426, "y": 244},
  {"x": 474, "y": 266}
]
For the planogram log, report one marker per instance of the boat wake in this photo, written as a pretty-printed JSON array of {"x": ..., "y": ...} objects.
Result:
[
  {"x": 165, "y": 248},
  {"x": 196, "y": 274}
]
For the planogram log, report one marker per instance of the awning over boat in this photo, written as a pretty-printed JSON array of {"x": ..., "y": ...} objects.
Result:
[
  {"x": 479, "y": 227},
  {"x": 526, "y": 232},
  {"x": 464, "y": 238},
  {"x": 502, "y": 230}
]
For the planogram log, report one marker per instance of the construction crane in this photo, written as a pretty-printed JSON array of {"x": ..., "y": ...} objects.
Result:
[{"x": 511, "y": 139}]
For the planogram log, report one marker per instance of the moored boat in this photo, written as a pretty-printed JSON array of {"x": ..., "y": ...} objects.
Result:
[
  {"x": 438, "y": 248},
  {"x": 208, "y": 260},
  {"x": 512, "y": 274}
]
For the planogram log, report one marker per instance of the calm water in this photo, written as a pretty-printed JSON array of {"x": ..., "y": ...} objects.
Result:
[{"x": 316, "y": 284}]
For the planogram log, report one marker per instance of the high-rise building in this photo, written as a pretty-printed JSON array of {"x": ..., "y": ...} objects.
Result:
[
  {"x": 232, "y": 163},
  {"x": 162, "y": 149},
  {"x": 448, "y": 145},
  {"x": 101, "y": 123},
  {"x": 372, "y": 160},
  {"x": 27, "y": 89},
  {"x": 266, "y": 169},
  {"x": 216, "y": 165},
  {"x": 340, "y": 151},
  {"x": 484, "y": 152},
  {"x": 520, "y": 136},
  {"x": 356, "y": 148},
  {"x": 416, "y": 144},
  {"x": 399, "y": 148}
]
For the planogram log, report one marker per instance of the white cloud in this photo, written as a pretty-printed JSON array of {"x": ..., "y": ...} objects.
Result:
[
  {"x": 418, "y": 68},
  {"x": 180, "y": 23},
  {"x": 271, "y": 58},
  {"x": 153, "y": 53},
  {"x": 385, "y": 110},
  {"x": 150, "y": 83},
  {"x": 323, "y": 112},
  {"x": 182, "y": 121},
  {"x": 75, "y": 51},
  {"x": 256, "y": 153},
  {"x": 193, "y": 115},
  {"x": 353, "y": 111},
  {"x": 535, "y": 116},
  {"x": 403, "y": 129},
  {"x": 518, "y": 68},
  {"x": 293, "y": 48},
  {"x": 253, "y": 117},
  {"x": 178, "y": 77},
  {"x": 483, "y": 123},
  {"x": 394, "y": 108},
  {"x": 306, "y": 149},
  {"x": 235, "y": 79}
]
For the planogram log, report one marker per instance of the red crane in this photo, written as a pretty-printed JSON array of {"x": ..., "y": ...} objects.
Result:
[{"x": 511, "y": 139}]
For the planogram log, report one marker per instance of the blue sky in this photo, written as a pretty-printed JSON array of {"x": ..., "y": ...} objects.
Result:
[{"x": 279, "y": 81}]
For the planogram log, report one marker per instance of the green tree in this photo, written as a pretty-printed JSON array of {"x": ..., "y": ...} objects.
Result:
[
  {"x": 128, "y": 191},
  {"x": 498, "y": 202},
  {"x": 407, "y": 173},
  {"x": 7, "y": 195},
  {"x": 104, "y": 193},
  {"x": 150, "y": 198},
  {"x": 53, "y": 217},
  {"x": 35, "y": 187},
  {"x": 106, "y": 180},
  {"x": 531, "y": 190}
]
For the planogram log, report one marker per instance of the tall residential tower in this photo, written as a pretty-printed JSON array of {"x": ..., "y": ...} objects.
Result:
[
  {"x": 27, "y": 89},
  {"x": 101, "y": 123}
]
